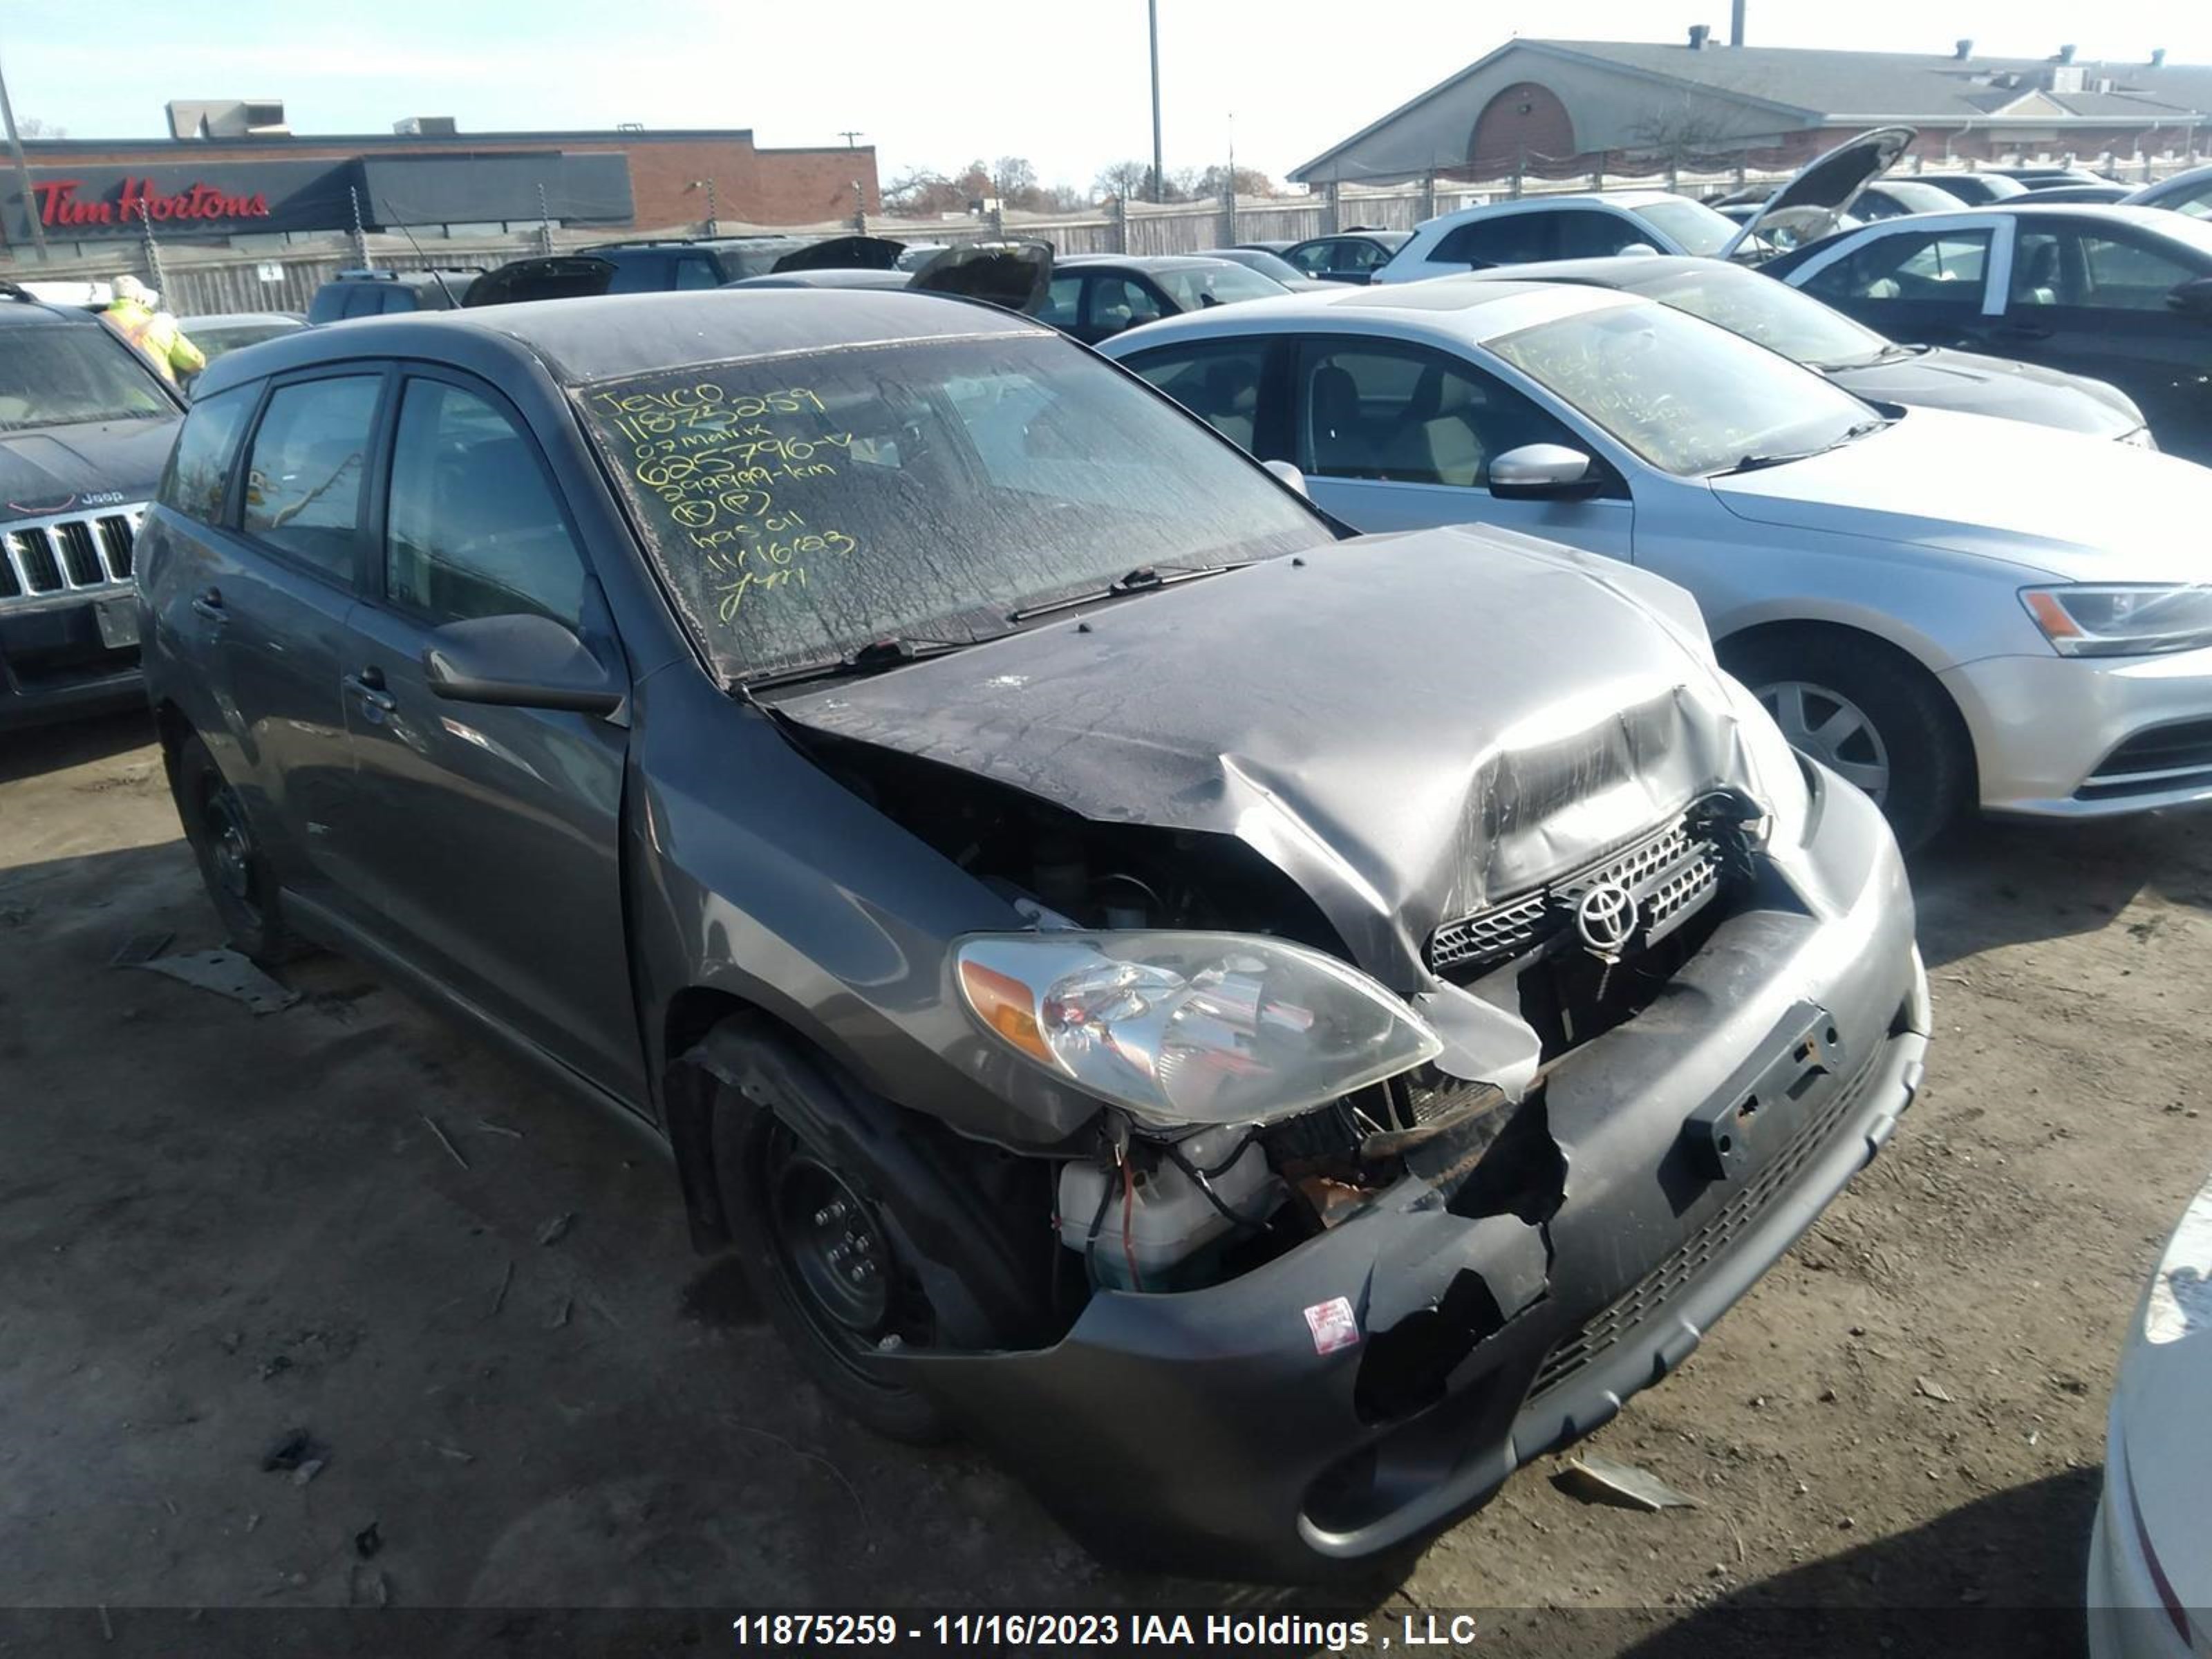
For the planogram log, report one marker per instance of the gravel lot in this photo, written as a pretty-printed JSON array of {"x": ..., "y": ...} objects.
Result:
[{"x": 217, "y": 1229}]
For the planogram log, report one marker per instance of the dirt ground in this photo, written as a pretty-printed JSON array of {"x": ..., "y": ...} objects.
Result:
[{"x": 217, "y": 1229}]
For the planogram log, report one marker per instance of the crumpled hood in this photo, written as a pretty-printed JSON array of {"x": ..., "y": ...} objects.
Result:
[
  {"x": 1410, "y": 725},
  {"x": 1976, "y": 384},
  {"x": 2039, "y": 499},
  {"x": 55, "y": 470}
]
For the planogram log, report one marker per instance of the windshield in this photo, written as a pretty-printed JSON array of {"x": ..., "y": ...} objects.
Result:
[
  {"x": 1684, "y": 396},
  {"x": 1776, "y": 315},
  {"x": 800, "y": 508},
  {"x": 1693, "y": 227},
  {"x": 1193, "y": 287},
  {"x": 65, "y": 374}
]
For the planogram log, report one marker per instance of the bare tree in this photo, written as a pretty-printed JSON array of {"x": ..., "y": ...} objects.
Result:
[
  {"x": 32, "y": 127},
  {"x": 1684, "y": 127},
  {"x": 1250, "y": 181},
  {"x": 1126, "y": 180}
]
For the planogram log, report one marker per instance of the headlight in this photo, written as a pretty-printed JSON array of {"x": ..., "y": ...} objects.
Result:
[
  {"x": 2122, "y": 622},
  {"x": 1189, "y": 1029},
  {"x": 2180, "y": 1303}
]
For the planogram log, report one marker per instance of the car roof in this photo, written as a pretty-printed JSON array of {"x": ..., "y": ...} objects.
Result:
[
  {"x": 1142, "y": 261},
  {"x": 1448, "y": 310},
  {"x": 578, "y": 341},
  {"x": 1620, "y": 271},
  {"x": 19, "y": 310},
  {"x": 1612, "y": 198}
]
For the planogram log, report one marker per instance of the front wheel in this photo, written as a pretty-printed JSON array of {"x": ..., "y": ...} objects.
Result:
[
  {"x": 822, "y": 1261},
  {"x": 1871, "y": 716}
]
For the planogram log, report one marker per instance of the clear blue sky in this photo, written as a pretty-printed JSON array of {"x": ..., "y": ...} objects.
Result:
[{"x": 931, "y": 82}]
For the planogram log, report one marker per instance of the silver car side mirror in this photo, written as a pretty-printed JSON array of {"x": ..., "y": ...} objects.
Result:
[
  {"x": 1290, "y": 474},
  {"x": 1534, "y": 471}
]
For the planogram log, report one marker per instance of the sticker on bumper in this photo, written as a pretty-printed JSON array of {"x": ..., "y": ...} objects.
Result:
[{"x": 1333, "y": 1324}]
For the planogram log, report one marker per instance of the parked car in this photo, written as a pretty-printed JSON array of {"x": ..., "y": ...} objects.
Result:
[
  {"x": 1533, "y": 230},
  {"x": 386, "y": 293},
  {"x": 84, "y": 427},
  {"x": 2150, "y": 1573},
  {"x": 649, "y": 265},
  {"x": 221, "y": 332},
  {"x": 2101, "y": 193},
  {"x": 2123, "y": 294},
  {"x": 1271, "y": 266},
  {"x": 1892, "y": 198},
  {"x": 1015, "y": 276},
  {"x": 1094, "y": 296},
  {"x": 1853, "y": 356},
  {"x": 1944, "y": 608},
  {"x": 2188, "y": 192},
  {"x": 885, "y": 831},
  {"x": 1352, "y": 256},
  {"x": 2045, "y": 176},
  {"x": 1974, "y": 189}
]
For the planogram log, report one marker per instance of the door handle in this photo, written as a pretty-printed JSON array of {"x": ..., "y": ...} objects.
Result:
[
  {"x": 208, "y": 604},
  {"x": 2020, "y": 332},
  {"x": 369, "y": 686}
]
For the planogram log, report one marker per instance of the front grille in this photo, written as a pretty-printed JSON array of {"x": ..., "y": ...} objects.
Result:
[
  {"x": 1670, "y": 872},
  {"x": 68, "y": 553},
  {"x": 1644, "y": 1299}
]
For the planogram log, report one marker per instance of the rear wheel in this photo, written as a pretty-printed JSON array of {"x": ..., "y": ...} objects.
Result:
[
  {"x": 823, "y": 1261},
  {"x": 234, "y": 866},
  {"x": 1870, "y": 714}
]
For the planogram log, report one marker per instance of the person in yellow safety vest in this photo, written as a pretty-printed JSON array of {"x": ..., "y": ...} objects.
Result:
[{"x": 136, "y": 313}]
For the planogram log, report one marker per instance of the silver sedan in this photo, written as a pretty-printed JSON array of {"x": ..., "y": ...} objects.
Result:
[{"x": 1948, "y": 610}]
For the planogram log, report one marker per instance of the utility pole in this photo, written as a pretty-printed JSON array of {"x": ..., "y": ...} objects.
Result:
[
  {"x": 23, "y": 173},
  {"x": 1159, "y": 175},
  {"x": 852, "y": 136}
]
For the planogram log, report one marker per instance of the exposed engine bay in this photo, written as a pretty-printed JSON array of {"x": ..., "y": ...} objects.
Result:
[{"x": 1157, "y": 1208}]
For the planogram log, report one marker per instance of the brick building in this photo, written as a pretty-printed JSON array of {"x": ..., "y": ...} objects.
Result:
[
  {"x": 257, "y": 187},
  {"x": 1562, "y": 107}
]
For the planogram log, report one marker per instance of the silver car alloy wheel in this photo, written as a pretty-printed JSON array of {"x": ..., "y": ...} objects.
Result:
[{"x": 1833, "y": 730}]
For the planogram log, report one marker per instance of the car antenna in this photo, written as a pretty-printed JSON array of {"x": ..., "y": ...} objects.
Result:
[{"x": 443, "y": 287}]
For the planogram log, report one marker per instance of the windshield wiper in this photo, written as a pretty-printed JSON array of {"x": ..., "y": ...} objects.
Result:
[
  {"x": 1761, "y": 463},
  {"x": 1143, "y": 580},
  {"x": 873, "y": 657}
]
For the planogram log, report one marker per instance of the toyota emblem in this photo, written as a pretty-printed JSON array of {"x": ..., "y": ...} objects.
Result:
[{"x": 1606, "y": 918}]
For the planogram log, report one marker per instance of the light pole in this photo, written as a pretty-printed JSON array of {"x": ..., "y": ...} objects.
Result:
[
  {"x": 23, "y": 172},
  {"x": 1159, "y": 177}
]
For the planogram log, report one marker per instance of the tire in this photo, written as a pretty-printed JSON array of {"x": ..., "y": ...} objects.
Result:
[
  {"x": 780, "y": 1190},
  {"x": 232, "y": 866},
  {"x": 1871, "y": 714}
]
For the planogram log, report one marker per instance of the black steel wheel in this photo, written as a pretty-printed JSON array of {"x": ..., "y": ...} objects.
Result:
[{"x": 234, "y": 866}]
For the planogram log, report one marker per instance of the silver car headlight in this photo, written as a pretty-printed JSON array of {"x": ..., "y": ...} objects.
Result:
[
  {"x": 2121, "y": 620},
  {"x": 1183, "y": 1028}
]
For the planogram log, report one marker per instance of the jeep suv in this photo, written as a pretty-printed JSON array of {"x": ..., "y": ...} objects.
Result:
[{"x": 84, "y": 427}]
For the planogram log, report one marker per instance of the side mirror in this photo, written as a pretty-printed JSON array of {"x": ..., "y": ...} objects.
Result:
[
  {"x": 517, "y": 662},
  {"x": 1642, "y": 249},
  {"x": 1536, "y": 473},
  {"x": 1290, "y": 474},
  {"x": 2192, "y": 298}
]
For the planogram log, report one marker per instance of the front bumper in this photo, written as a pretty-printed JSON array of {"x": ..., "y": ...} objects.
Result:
[
  {"x": 2073, "y": 736},
  {"x": 56, "y": 662},
  {"x": 1204, "y": 1433},
  {"x": 2127, "y": 1620}
]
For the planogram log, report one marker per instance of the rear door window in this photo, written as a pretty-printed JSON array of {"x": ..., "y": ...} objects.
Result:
[
  {"x": 1117, "y": 302},
  {"x": 1923, "y": 267},
  {"x": 1219, "y": 382},
  {"x": 639, "y": 273},
  {"x": 1062, "y": 302},
  {"x": 1374, "y": 409},
  {"x": 303, "y": 475},
  {"x": 1511, "y": 239},
  {"x": 1586, "y": 233}
]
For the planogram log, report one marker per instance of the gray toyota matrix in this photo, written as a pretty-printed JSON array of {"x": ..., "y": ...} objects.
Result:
[{"x": 1268, "y": 1031}]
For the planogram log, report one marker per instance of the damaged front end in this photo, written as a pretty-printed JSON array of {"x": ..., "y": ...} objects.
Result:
[{"x": 1444, "y": 1083}]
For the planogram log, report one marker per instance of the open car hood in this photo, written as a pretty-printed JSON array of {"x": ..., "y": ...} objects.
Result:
[
  {"x": 1392, "y": 721},
  {"x": 843, "y": 253},
  {"x": 1016, "y": 275},
  {"x": 1809, "y": 204},
  {"x": 555, "y": 276}
]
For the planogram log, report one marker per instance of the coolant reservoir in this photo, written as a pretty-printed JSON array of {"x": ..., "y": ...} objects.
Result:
[{"x": 1174, "y": 1232}]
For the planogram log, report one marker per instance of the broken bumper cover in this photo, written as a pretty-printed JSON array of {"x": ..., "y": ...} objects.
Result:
[{"x": 1207, "y": 1432}]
